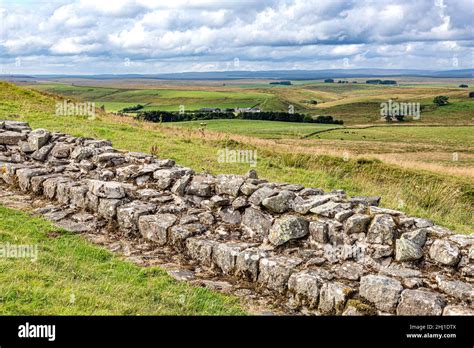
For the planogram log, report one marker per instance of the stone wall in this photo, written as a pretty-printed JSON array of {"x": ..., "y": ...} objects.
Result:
[{"x": 321, "y": 252}]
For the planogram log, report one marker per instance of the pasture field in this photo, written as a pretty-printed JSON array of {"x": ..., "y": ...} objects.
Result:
[
  {"x": 354, "y": 103},
  {"x": 259, "y": 129},
  {"x": 162, "y": 99}
]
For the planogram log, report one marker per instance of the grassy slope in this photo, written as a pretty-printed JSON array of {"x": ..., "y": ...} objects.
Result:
[
  {"x": 73, "y": 277},
  {"x": 162, "y": 99}
]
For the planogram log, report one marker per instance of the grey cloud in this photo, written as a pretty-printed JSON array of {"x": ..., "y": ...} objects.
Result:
[{"x": 267, "y": 34}]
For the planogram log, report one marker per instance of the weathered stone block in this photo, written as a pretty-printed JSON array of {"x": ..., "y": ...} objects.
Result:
[
  {"x": 357, "y": 223},
  {"x": 229, "y": 184},
  {"x": 201, "y": 185},
  {"x": 42, "y": 153},
  {"x": 247, "y": 263},
  {"x": 178, "y": 234},
  {"x": 420, "y": 302},
  {"x": 224, "y": 255},
  {"x": 11, "y": 138},
  {"x": 383, "y": 291},
  {"x": 318, "y": 231},
  {"x": 305, "y": 286},
  {"x": 257, "y": 222},
  {"x": 24, "y": 176},
  {"x": 38, "y": 138},
  {"x": 128, "y": 214},
  {"x": 78, "y": 196},
  {"x": 287, "y": 228},
  {"x": 275, "y": 272},
  {"x": 406, "y": 250},
  {"x": 259, "y": 195},
  {"x": 303, "y": 206},
  {"x": 230, "y": 216},
  {"x": 155, "y": 227},
  {"x": 200, "y": 250},
  {"x": 61, "y": 150},
  {"x": 329, "y": 209},
  {"x": 445, "y": 252},
  {"x": 50, "y": 185},
  {"x": 333, "y": 297},
  {"x": 107, "y": 189},
  {"x": 107, "y": 207},
  {"x": 382, "y": 230},
  {"x": 280, "y": 203}
]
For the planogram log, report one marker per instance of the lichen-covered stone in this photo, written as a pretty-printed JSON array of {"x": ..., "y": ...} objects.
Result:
[
  {"x": 349, "y": 270},
  {"x": 458, "y": 310},
  {"x": 357, "y": 223},
  {"x": 247, "y": 263},
  {"x": 257, "y": 222},
  {"x": 24, "y": 176},
  {"x": 382, "y": 230},
  {"x": 287, "y": 228},
  {"x": 107, "y": 207},
  {"x": 225, "y": 255},
  {"x": 445, "y": 252},
  {"x": 318, "y": 231},
  {"x": 60, "y": 150},
  {"x": 230, "y": 216},
  {"x": 275, "y": 272},
  {"x": 456, "y": 288},
  {"x": 201, "y": 185},
  {"x": 420, "y": 302},
  {"x": 177, "y": 235},
  {"x": 333, "y": 297},
  {"x": 128, "y": 214},
  {"x": 279, "y": 203},
  {"x": 305, "y": 286},
  {"x": 406, "y": 250},
  {"x": 383, "y": 291},
  {"x": 11, "y": 138},
  {"x": 155, "y": 227},
  {"x": 229, "y": 184},
  {"x": 329, "y": 209},
  {"x": 200, "y": 250},
  {"x": 358, "y": 308},
  {"x": 259, "y": 195},
  {"x": 107, "y": 189},
  {"x": 38, "y": 138},
  {"x": 42, "y": 153}
]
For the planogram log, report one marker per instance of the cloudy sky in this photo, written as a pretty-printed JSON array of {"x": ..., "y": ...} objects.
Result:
[{"x": 144, "y": 36}]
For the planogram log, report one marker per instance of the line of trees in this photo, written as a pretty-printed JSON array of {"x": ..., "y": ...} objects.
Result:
[
  {"x": 133, "y": 108},
  {"x": 381, "y": 82},
  {"x": 174, "y": 116}
]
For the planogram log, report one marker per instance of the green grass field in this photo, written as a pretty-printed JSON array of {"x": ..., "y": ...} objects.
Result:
[
  {"x": 259, "y": 129},
  {"x": 453, "y": 137},
  {"x": 73, "y": 277},
  {"x": 353, "y": 103},
  {"x": 115, "y": 99}
]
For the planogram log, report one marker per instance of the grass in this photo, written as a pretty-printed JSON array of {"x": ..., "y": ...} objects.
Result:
[
  {"x": 73, "y": 277},
  {"x": 353, "y": 103},
  {"x": 447, "y": 199},
  {"x": 455, "y": 138},
  {"x": 259, "y": 129},
  {"x": 115, "y": 99}
]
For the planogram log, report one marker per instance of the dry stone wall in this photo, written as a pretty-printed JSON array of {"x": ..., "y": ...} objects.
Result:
[{"x": 321, "y": 252}]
